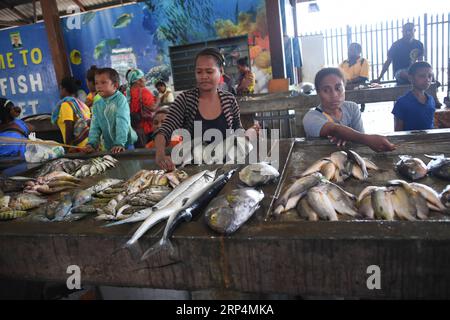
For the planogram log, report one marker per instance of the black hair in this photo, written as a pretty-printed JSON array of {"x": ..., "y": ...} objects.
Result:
[
  {"x": 408, "y": 24},
  {"x": 326, "y": 72},
  {"x": 243, "y": 62},
  {"x": 90, "y": 74},
  {"x": 128, "y": 72},
  {"x": 164, "y": 110},
  {"x": 418, "y": 65},
  {"x": 71, "y": 84},
  {"x": 5, "y": 108},
  {"x": 357, "y": 45},
  {"x": 160, "y": 83},
  {"x": 112, "y": 74},
  {"x": 212, "y": 52}
]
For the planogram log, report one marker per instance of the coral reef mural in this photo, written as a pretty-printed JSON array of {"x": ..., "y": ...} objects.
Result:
[{"x": 139, "y": 35}]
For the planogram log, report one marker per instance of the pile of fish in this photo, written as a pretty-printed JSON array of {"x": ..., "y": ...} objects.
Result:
[
  {"x": 227, "y": 213},
  {"x": 193, "y": 201},
  {"x": 71, "y": 206},
  {"x": 78, "y": 167},
  {"x": 415, "y": 169},
  {"x": 16, "y": 206},
  {"x": 53, "y": 182},
  {"x": 258, "y": 174},
  {"x": 13, "y": 184},
  {"x": 340, "y": 165},
  {"x": 234, "y": 149},
  {"x": 325, "y": 201},
  {"x": 196, "y": 187},
  {"x": 144, "y": 189},
  {"x": 62, "y": 164},
  {"x": 95, "y": 166},
  {"x": 399, "y": 200}
]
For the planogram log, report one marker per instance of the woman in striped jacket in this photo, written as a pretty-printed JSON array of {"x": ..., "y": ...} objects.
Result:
[{"x": 206, "y": 103}]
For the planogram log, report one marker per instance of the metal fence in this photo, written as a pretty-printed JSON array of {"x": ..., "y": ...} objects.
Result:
[{"x": 376, "y": 39}]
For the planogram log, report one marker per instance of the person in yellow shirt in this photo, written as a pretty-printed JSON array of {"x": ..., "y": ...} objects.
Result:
[
  {"x": 355, "y": 68},
  {"x": 71, "y": 115}
]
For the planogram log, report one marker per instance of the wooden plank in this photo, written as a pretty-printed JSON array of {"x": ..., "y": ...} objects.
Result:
[
  {"x": 277, "y": 102},
  {"x": 55, "y": 38}
]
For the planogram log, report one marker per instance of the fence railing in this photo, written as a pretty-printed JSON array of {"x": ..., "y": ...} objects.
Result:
[{"x": 376, "y": 39}]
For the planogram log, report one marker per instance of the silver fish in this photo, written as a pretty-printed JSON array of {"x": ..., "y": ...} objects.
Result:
[
  {"x": 321, "y": 204},
  {"x": 257, "y": 174},
  {"x": 382, "y": 204},
  {"x": 295, "y": 191},
  {"x": 227, "y": 213},
  {"x": 439, "y": 166},
  {"x": 305, "y": 211},
  {"x": 152, "y": 217},
  {"x": 411, "y": 168}
]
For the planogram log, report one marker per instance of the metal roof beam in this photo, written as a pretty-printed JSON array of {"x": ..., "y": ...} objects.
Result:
[{"x": 80, "y": 5}]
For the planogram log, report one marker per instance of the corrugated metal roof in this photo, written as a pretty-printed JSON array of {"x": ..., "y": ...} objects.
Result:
[{"x": 25, "y": 7}]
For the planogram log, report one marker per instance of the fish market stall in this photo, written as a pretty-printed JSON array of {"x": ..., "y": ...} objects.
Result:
[{"x": 268, "y": 254}]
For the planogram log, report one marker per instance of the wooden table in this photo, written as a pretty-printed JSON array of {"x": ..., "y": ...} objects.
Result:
[
  {"x": 286, "y": 255},
  {"x": 442, "y": 118},
  {"x": 303, "y": 103}
]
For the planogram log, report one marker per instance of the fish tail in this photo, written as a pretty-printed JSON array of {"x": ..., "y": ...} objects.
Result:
[
  {"x": 134, "y": 248},
  {"x": 160, "y": 246}
]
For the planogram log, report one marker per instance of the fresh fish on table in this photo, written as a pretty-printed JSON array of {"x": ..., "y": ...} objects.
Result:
[
  {"x": 192, "y": 207},
  {"x": 257, "y": 174},
  {"x": 26, "y": 201},
  {"x": 11, "y": 214},
  {"x": 11, "y": 185},
  {"x": 439, "y": 166},
  {"x": 95, "y": 166},
  {"x": 154, "y": 216},
  {"x": 411, "y": 168},
  {"x": 340, "y": 165},
  {"x": 445, "y": 196},
  {"x": 305, "y": 211},
  {"x": 227, "y": 213},
  {"x": 422, "y": 209},
  {"x": 382, "y": 204},
  {"x": 295, "y": 191}
]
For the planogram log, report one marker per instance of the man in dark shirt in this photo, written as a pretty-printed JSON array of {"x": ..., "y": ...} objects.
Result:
[{"x": 403, "y": 53}]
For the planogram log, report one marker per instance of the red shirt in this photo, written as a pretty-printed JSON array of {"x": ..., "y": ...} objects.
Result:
[{"x": 148, "y": 100}]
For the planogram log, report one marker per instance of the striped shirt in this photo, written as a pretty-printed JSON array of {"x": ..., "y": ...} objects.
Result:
[{"x": 185, "y": 107}]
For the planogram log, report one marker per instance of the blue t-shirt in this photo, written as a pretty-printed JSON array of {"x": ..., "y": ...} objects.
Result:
[
  {"x": 404, "y": 53},
  {"x": 14, "y": 149},
  {"x": 414, "y": 114}
]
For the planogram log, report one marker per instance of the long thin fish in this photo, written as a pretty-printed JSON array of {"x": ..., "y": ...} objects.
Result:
[{"x": 192, "y": 207}]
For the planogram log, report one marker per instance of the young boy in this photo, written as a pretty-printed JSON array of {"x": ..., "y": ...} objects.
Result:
[
  {"x": 111, "y": 115},
  {"x": 158, "y": 119},
  {"x": 415, "y": 110}
]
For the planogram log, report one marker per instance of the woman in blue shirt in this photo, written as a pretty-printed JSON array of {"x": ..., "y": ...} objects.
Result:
[{"x": 11, "y": 127}]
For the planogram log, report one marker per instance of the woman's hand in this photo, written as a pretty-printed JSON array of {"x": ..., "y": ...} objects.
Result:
[
  {"x": 164, "y": 162},
  {"x": 379, "y": 143},
  {"x": 117, "y": 149},
  {"x": 253, "y": 131},
  {"x": 339, "y": 142}
]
